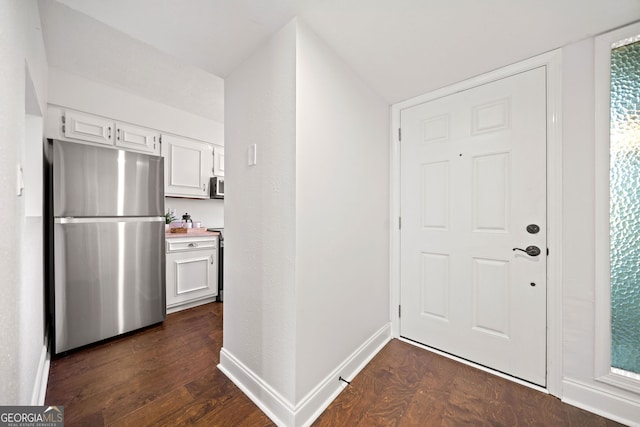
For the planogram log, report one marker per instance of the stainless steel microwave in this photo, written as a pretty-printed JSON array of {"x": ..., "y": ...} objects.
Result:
[{"x": 216, "y": 187}]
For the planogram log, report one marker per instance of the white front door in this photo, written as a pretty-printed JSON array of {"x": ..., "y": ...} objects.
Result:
[{"x": 473, "y": 190}]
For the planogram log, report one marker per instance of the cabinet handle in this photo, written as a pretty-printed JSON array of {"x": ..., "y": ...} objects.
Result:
[
  {"x": 192, "y": 245},
  {"x": 211, "y": 259},
  {"x": 118, "y": 131},
  {"x": 109, "y": 129}
]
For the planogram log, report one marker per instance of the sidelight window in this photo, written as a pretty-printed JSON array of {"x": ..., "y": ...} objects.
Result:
[
  {"x": 624, "y": 206},
  {"x": 617, "y": 237}
]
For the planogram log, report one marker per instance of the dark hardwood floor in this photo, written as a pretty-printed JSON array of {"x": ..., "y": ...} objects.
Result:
[{"x": 166, "y": 375}]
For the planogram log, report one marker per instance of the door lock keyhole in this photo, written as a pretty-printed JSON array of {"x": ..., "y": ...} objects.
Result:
[{"x": 533, "y": 229}]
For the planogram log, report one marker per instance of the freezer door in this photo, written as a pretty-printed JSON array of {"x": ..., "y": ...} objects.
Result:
[
  {"x": 93, "y": 181},
  {"x": 109, "y": 278}
]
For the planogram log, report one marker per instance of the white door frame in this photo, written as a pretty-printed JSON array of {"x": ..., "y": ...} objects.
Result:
[{"x": 553, "y": 63}]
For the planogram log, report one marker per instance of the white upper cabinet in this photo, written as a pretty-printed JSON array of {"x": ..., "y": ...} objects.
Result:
[
  {"x": 218, "y": 160},
  {"x": 188, "y": 166},
  {"x": 137, "y": 138},
  {"x": 82, "y": 127},
  {"x": 87, "y": 127}
]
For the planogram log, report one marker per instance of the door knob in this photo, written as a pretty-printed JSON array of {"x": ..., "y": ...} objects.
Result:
[{"x": 530, "y": 250}]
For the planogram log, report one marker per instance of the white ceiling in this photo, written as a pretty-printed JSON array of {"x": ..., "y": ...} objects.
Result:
[{"x": 402, "y": 48}]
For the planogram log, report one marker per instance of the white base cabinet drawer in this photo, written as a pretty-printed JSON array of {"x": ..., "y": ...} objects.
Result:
[{"x": 190, "y": 244}]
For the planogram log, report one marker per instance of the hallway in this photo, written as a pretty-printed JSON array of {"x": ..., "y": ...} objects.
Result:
[{"x": 166, "y": 375}]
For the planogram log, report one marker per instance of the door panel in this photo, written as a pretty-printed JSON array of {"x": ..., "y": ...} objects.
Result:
[
  {"x": 435, "y": 285},
  {"x": 435, "y": 195},
  {"x": 473, "y": 177},
  {"x": 191, "y": 275}
]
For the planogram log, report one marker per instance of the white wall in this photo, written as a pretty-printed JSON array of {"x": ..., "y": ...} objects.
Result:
[
  {"x": 23, "y": 87},
  {"x": 85, "y": 46},
  {"x": 342, "y": 212},
  {"x": 79, "y": 92},
  {"x": 578, "y": 331},
  {"x": 209, "y": 212},
  {"x": 306, "y": 262}
]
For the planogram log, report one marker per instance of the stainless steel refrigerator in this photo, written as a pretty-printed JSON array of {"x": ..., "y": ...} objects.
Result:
[{"x": 107, "y": 258}]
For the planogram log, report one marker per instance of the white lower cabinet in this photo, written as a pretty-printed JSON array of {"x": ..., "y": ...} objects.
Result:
[{"x": 192, "y": 271}]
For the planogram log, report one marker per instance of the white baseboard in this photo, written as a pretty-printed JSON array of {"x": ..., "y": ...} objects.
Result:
[
  {"x": 190, "y": 304},
  {"x": 42, "y": 376},
  {"x": 601, "y": 402},
  {"x": 280, "y": 410},
  {"x": 314, "y": 403},
  {"x": 275, "y": 406}
]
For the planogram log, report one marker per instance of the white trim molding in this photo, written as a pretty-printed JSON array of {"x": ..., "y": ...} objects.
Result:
[
  {"x": 598, "y": 401},
  {"x": 602, "y": 351},
  {"x": 42, "y": 375},
  {"x": 552, "y": 61},
  {"x": 280, "y": 410}
]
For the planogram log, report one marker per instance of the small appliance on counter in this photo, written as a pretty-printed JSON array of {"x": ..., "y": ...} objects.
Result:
[
  {"x": 216, "y": 185},
  {"x": 186, "y": 221},
  {"x": 219, "y": 298},
  {"x": 181, "y": 226}
]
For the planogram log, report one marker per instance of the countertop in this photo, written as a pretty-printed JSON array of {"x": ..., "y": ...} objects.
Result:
[{"x": 192, "y": 232}]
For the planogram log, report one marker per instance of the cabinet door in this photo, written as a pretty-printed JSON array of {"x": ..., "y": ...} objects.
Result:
[
  {"x": 137, "y": 138},
  {"x": 191, "y": 276},
  {"x": 187, "y": 167},
  {"x": 86, "y": 127},
  {"x": 218, "y": 160}
]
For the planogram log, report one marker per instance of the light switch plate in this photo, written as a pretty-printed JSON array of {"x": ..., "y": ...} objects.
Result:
[
  {"x": 252, "y": 155},
  {"x": 20, "y": 181}
]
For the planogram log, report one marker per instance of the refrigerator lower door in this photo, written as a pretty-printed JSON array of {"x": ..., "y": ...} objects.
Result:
[{"x": 109, "y": 278}]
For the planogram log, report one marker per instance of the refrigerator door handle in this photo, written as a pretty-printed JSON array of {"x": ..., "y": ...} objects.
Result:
[{"x": 78, "y": 220}]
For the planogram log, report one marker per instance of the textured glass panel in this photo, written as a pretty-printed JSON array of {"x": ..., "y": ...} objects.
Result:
[{"x": 625, "y": 207}]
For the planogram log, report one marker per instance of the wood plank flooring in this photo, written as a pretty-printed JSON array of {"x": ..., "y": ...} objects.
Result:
[{"x": 166, "y": 375}]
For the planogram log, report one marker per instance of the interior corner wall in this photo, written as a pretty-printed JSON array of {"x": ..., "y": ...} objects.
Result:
[
  {"x": 24, "y": 69},
  {"x": 259, "y": 313},
  {"x": 578, "y": 307},
  {"x": 306, "y": 227},
  {"x": 342, "y": 213}
]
